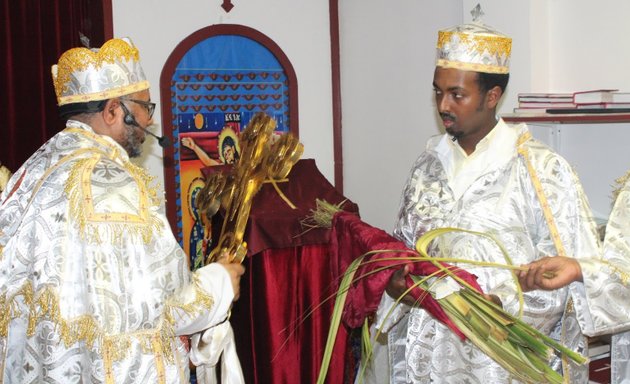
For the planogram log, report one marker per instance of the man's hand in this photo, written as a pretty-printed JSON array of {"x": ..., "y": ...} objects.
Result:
[
  {"x": 398, "y": 285},
  {"x": 235, "y": 270},
  {"x": 550, "y": 273}
]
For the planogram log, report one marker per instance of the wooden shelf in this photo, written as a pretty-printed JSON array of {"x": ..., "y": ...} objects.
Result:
[{"x": 586, "y": 118}]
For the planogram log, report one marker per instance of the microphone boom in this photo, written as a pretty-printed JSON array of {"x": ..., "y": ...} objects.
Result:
[{"x": 163, "y": 141}]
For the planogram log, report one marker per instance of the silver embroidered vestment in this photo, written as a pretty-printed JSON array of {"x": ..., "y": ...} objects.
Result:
[
  {"x": 602, "y": 303},
  {"x": 93, "y": 285},
  {"x": 493, "y": 193}
]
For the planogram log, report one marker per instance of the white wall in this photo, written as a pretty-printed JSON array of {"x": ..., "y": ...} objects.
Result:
[
  {"x": 300, "y": 28},
  {"x": 387, "y": 64},
  {"x": 589, "y": 44}
]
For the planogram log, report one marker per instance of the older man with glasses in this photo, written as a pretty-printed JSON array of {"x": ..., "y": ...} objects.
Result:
[{"x": 93, "y": 285}]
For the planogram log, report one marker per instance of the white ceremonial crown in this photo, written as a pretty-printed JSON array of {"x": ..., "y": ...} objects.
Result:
[
  {"x": 474, "y": 47},
  {"x": 83, "y": 74}
]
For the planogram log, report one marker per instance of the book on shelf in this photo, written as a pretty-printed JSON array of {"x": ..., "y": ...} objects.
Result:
[
  {"x": 542, "y": 97},
  {"x": 530, "y": 111},
  {"x": 601, "y": 96},
  {"x": 571, "y": 110},
  {"x": 538, "y": 104},
  {"x": 586, "y": 111},
  {"x": 603, "y": 105}
]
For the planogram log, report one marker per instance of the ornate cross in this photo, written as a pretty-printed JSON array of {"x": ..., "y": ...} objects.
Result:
[{"x": 260, "y": 161}]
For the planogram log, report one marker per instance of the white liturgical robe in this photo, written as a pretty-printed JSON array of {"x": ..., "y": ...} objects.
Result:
[
  {"x": 491, "y": 191},
  {"x": 93, "y": 285},
  {"x": 602, "y": 302}
]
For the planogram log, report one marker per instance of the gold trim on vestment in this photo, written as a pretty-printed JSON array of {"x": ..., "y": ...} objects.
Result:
[
  {"x": 44, "y": 305},
  {"x": 553, "y": 231},
  {"x": 202, "y": 302},
  {"x": 81, "y": 204}
]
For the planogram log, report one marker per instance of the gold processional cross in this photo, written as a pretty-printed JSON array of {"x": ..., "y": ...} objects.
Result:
[{"x": 261, "y": 161}]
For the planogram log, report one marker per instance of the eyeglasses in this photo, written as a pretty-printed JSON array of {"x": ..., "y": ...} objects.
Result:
[{"x": 149, "y": 106}]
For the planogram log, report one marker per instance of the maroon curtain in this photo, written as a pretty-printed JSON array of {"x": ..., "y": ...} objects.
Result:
[
  {"x": 282, "y": 318},
  {"x": 34, "y": 34}
]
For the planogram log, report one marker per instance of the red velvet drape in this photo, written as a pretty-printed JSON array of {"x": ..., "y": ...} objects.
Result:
[
  {"x": 282, "y": 318},
  {"x": 34, "y": 34},
  {"x": 279, "y": 339}
]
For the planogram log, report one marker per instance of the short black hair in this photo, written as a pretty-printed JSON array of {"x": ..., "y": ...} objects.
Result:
[
  {"x": 68, "y": 110},
  {"x": 487, "y": 81},
  {"x": 229, "y": 142}
]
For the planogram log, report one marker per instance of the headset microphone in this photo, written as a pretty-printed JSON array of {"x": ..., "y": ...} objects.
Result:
[
  {"x": 162, "y": 140},
  {"x": 129, "y": 119}
]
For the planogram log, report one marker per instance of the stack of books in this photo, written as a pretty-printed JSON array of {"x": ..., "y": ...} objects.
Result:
[
  {"x": 592, "y": 101},
  {"x": 541, "y": 102}
]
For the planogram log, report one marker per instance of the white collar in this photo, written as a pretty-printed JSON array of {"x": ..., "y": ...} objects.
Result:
[{"x": 493, "y": 151}]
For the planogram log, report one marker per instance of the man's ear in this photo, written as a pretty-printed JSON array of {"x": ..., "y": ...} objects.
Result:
[
  {"x": 493, "y": 96},
  {"x": 111, "y": 111}
]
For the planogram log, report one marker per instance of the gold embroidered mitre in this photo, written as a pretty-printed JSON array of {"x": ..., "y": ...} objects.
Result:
[
  {"x": 474, "y": 47},
  {"x": 83, "y": 74}
]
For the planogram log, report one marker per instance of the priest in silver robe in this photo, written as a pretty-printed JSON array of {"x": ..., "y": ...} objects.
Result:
[
  {"x": 487, "y": 176},
  {"x": 94, "y": 287},
  {"x": 600, "y": 286}
]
